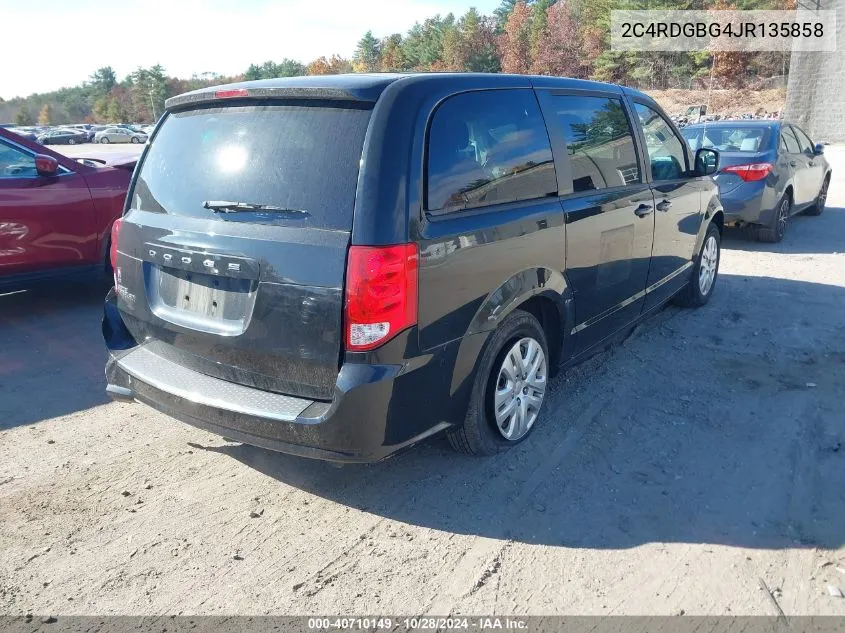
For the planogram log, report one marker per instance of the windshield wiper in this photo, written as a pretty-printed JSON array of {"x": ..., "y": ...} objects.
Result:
[{"x": 228, "y": 206}]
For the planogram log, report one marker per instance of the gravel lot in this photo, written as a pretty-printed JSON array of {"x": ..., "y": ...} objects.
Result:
[{"x": 674, "y": 473}]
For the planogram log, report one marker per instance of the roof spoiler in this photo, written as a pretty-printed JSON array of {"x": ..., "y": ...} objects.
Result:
[{"x": 225, "y": 93}]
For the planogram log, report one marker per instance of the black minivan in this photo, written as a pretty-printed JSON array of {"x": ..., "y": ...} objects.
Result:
[{"x": 340, "y": 267}]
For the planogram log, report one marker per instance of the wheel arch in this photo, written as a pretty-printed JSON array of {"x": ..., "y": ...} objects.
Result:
[{"x": 543, "y": 292}]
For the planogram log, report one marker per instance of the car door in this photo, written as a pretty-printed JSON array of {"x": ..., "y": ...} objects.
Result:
[
  {"x": 46, "y": 222},
  {"x": 677, "y": 197},
  {"x": 802, "y": 189},
  {"x": 608, "y": 209},
  {"x": 815, "y": 165}
]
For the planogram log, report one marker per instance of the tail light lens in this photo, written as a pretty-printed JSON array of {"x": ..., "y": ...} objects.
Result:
[
  {"x": 749, "y": 173},
  {"x": 115, "y": 235},
  {"x": 381, "y": 294}
]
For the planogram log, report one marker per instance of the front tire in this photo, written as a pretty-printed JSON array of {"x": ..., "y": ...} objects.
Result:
[
  {"x": 135, "y": 140},
  {"x": 509, "y": 388},
  {"x": 104, "y": 141},
  {"x": 704, "y": 273},
  {"x": 71, "y": 141}
]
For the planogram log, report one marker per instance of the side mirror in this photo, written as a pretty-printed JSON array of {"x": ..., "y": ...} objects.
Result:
[
  {"x": 818, "y": 150},
  {"x": 46, "y": 165},
  {"x": 706, "y": 161}
]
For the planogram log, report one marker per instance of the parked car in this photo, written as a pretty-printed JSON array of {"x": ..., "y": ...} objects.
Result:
[
  {"x": 24, "y": 133},
  {"x": 63, "y": 136},
  {"x": 119, "y": 135},
  {"x": 770, "y": 171},
  {"x": 55, "y": 213},
  {"x": 269, "y": 289}
]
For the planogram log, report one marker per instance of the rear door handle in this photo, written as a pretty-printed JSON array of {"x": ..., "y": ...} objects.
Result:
[
  {"x": 643, "y": 210},
  {"x": 664, "y": 206}
]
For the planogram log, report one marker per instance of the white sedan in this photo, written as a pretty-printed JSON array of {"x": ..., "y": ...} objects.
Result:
[{"x": 119, "y": 135}]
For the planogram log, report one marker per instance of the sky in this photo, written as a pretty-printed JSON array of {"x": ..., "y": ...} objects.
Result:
[{"x": 60, "y": 43}]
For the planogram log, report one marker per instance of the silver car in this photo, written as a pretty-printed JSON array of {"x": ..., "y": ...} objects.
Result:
[{"x": 119, "y": 135}]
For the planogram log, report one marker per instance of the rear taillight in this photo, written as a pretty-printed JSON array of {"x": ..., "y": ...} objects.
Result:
[
  {"x": 749, "y": 173},
  {"x": 115, "y": 235},
  {"x": 381, "y": 294}
]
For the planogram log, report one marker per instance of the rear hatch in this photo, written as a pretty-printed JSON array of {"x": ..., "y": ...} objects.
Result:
[{"x": 233, "y": 250}]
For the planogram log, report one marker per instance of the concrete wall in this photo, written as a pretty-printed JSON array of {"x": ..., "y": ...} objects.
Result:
[{"x": 815, "y": 93}]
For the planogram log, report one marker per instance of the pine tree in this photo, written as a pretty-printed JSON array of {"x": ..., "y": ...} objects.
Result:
[
  {"x": 367, "y": 57},
  {"x": 23, "y": 117}
]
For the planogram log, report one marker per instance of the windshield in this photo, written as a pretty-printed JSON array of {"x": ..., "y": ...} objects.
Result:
[
  {"x": 296, "y": 155},
  {"x": 728, "y": 139}
]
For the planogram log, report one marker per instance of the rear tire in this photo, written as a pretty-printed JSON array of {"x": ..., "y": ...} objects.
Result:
[
  {"x": 780, "y": 219},
  {"x": 705, "y": 272},
  {"x": 821, "y": 199},
  {"x": 482, "y": 433}
]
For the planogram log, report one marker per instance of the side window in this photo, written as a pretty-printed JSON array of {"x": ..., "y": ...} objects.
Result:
[
  {"x": 16, "y": 164},
  {"x": 488, "y": 147},
  {"x": 599, "y": 142},
  {"x": 665, "y": 150},
  {"x": 788, "y": 136},
  {"x": 803, "y": 140}
]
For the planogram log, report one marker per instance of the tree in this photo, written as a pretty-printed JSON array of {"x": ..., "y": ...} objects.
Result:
[
  {"x": 539, "y": 22},
  {"x": 515, "y": 42},
  {"x": 23, "y": 117},
  {"x": 479, "y": 40},
  {"x": 272, "y": 70},
  {"x": 336, "y": 65},
  {"x": 45, "y": 117},
  {"x": 559, "y": 44},
  {"x": 423, "y": 47},
  {"x": 392, "y": 59},
  {"x": 103, "y": 80},
  {"x": 367, "y": 57},
  {"x": 149, "y": 91}
]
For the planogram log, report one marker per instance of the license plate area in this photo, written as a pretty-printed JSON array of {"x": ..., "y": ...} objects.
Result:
[{"x": 208, "y": 303}]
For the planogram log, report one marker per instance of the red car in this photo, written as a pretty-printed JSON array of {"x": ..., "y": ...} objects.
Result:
[{"x": 56, "y": 212}]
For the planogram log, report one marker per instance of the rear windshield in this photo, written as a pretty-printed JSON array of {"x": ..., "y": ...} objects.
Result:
[
  {"x": 728, "y": 139},
  {"x": 301, "y": 156}
]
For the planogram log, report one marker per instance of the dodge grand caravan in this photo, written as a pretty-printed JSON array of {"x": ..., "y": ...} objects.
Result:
[{"x": 340, "y": 267}]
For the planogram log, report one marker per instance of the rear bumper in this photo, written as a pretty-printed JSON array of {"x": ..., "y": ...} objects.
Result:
[
  {"x": 749, "y": 203},
  {"x": 378, "y": 409}
]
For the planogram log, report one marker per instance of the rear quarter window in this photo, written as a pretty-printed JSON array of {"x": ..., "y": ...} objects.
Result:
[
  {"x": 488, "y": 147},
  {"x": 302, "y": 155}
]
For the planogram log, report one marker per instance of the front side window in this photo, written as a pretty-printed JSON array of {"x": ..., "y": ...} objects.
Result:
[
  {"x": 488, "y": 147},
  {"x": 665, "y": 150},
  {"x": 15, "y": 163},
  {"x": 599, "y": 142}
]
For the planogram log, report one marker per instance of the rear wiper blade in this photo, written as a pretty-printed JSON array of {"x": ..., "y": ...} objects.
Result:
[{"x": 228, "y": 206}]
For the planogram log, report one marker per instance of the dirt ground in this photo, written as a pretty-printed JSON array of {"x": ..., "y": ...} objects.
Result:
[
  {"x": 734, "y": 101},
  {"x": 677, "y": 472}
]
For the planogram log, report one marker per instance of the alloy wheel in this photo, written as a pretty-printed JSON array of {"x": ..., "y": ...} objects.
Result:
[
  {"x": 783, "y": 216},
  {"x": 707, "y": 267},
  {"x": 822, "y": 199},
  {"x": 520, "y": 388}
]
